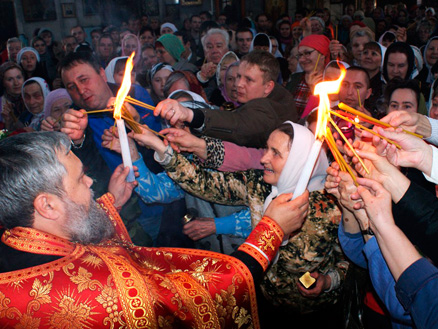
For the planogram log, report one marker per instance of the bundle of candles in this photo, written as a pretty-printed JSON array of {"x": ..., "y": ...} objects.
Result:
[
  {"x": 324, "y": 133},
  {"x": 126, "y": 115}
]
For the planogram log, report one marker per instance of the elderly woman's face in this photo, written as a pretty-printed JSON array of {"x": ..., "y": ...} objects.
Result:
[
  {"x": 230, "y": 83},
  {"x": 274, "y": 159},
  {"x": 59, "y": 107},
  {"x": 357, "y": 45},
  {"x": 33, "y": 98},
  {"x": 308, "y": 58},
  {"x": 316, "y": 27},
  {"x": 224, "y": 67},
  {"x": 432, "y": 52}
]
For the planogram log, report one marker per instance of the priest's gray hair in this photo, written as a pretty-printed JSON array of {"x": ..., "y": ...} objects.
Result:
[{"x": 29, "y": 166}]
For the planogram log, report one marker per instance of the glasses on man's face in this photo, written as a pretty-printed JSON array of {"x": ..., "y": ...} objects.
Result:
[{"x": 305, "y": 54}]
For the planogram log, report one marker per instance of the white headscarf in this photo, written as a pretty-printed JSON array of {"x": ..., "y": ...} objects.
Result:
[
  {"x": 109, "y": 70},
  {"x": 251, "y": 48},
  {"x": 418, "y": 56},
  {"x": 219, "y": 65},
  {"x": 35, "y": 122},
  {"x": 169, "y": 25},
  {"x": 429, "y": 78},
  {"x": 297, "y": 158},
  {"x": 195, "y": 96}
]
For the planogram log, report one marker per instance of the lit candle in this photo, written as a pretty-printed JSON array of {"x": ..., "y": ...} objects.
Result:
[
  {"x": 120, "y": 98},
  {"x": 323, "y": 89},
  {"x": 126, "y": 154}
]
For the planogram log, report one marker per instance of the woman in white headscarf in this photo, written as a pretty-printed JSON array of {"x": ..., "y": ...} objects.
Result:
[
  {"x": 218, "y": 96},
  {"x": 312, "y": 248},
  {"x": 34, "y": 92}
]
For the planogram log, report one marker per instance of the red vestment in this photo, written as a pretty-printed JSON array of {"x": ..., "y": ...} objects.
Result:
[{"x": 118, "y": 285}]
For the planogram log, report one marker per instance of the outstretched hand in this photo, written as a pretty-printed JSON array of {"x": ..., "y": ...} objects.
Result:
[
  {"x": 377, "y": 202},
  {"x": 73, "y": 124},
  {"x": 413, "y": 122},
  {"x": 173, "y": 112},
  {"x": 289, "y": 214},
  {"x": 183, "y": 141},
  {"x": 119, "y": 187}
]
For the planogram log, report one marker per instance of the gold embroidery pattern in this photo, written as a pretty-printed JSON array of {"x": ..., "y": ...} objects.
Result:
[
  {"x": 36, "y": 242},
  {"x": 92, "y": 260},
  {"x": 83, "y": 280},
  {"x": 40, "y": 293},
  {"x": 244, "y": 275},
  {"x": 241, "y": 316},
  {"x": 71, "y": 313},
  {"x": 198, "y": 301},
  {"x": 165, "y": 322},
  {"x": 106, "y": 202},
  {"x": 27, "y": 322},
  {"x": 5, "y": 310},
  {"x": 109, "y": 300},
  {"x": 135, "y": 297},
  {"x": 203, "y": 276},
  {"x": 31, "y": 272}
]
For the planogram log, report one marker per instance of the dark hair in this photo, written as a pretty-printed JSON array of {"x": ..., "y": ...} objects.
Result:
[
  {"x": 29, "y": 166},
  {"x": 288, "y": 129},
  {"x": 365, "y": 72},
  {"x": 35, "y": 39},
  {"x": 120, "y": 65},
  {"x": 389, "y": 36},
  {"x": 186, "y": 37},
  {"x": 145, "y": 29},
  {"x": 266, "y": 62},
  {"x": 193, "y": 16},
  {"x": 97, "y": 30},
  {"x": 242, "y": 30},
  {"x": 260, "y": 15},
  {"x": 206, "y": 13},
  {"x": 73, "y": 27},
  {"x": 399, "y": 47},
  {"x": 373, "y": 45},
  {"x": 76, "y": 58},
  {"x": 396, "y": 83}
]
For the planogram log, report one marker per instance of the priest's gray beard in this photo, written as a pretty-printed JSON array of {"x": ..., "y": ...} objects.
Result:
[{"x": 87, "y": 226}]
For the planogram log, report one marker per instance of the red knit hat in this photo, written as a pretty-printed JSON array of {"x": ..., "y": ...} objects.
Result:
[
  {"x": 318, "y": 42},
  {"x": 295, "y": 24}
]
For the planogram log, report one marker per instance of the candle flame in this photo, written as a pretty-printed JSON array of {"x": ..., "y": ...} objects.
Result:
[
  {"x": 323, "y": 89},
  {"x": 124, "y": 88}
]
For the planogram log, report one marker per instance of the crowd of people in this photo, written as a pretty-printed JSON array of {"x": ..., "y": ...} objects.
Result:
[{"x": 210, "y": 233}]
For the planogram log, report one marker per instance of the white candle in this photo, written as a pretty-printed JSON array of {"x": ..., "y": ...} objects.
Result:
[
  {"x": 126, "y": 154},
  {"x": 308, "y": 169}
]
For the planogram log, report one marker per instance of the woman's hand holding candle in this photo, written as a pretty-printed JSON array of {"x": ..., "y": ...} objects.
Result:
[{"x": 110, "y": 140}]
